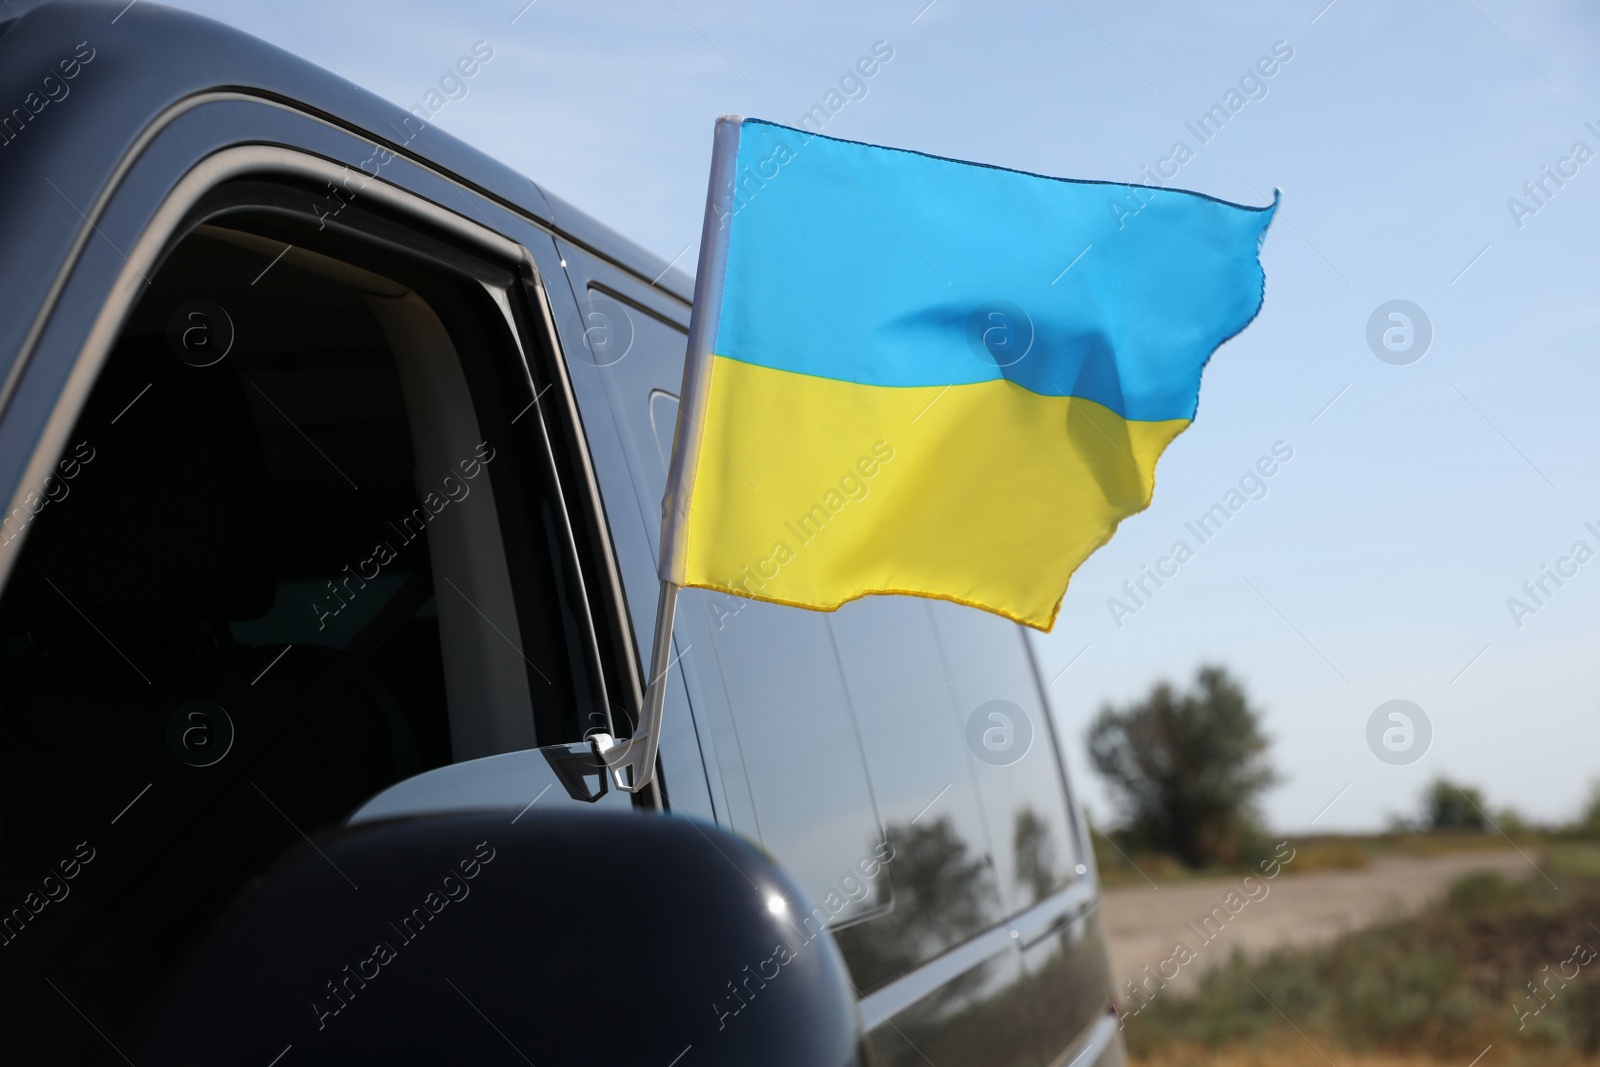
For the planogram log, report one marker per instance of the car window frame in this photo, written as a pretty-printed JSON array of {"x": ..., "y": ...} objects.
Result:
[{"x": 525, "y": 303}]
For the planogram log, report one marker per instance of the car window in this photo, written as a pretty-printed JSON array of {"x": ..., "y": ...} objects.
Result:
[
  {"x": 941, "y": 870},
  {"x": 802, "y": 761},
  {"x": 269, "y": 577},
  {"x": 964, "y": 766},
  {"x": 1005, "y": 725}
]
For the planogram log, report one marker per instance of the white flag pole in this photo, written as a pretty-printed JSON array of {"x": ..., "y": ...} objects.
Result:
[{"x": 637, "y": 755}]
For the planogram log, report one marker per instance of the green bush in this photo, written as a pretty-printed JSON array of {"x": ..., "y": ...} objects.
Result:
[{"x": 1483, "y": 892}]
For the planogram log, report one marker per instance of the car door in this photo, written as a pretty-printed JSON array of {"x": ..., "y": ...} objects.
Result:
[{"x": 289, "y": 525}]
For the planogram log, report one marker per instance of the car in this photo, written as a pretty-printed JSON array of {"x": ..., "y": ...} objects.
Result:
[{"x": 333, "y": 454}]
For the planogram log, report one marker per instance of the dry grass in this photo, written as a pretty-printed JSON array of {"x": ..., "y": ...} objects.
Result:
[
  {"x": 1332, "y": 854},
  {"x": 1323, "y": 852},
  {"x": 1439, "y": 987},
  {"x": 1297, "y": 1053}
]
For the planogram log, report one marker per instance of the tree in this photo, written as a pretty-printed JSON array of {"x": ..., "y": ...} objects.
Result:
[
  {"x": 939, "y": 895},
  {"x": 1035, "y": 854},
  {"x": 1588, "y": 824},
  {"x": 1448, "y": 806},
  {"x": 1186, "y": 767}
]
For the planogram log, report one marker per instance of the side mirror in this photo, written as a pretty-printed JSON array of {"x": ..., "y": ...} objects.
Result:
[{"x": 565, "y": 937}]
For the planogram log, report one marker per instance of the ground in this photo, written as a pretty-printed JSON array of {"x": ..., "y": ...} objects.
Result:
[{"x": 1143, "y": 921}]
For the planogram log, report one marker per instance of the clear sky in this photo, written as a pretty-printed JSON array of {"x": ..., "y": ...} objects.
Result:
[{"x": 1420, "y": 496}]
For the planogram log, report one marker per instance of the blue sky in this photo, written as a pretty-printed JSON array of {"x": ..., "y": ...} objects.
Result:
[{"x": 1379, "y": 563}]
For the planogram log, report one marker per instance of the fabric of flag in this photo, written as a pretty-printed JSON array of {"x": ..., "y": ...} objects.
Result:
[{"x": 910, "y": 374}]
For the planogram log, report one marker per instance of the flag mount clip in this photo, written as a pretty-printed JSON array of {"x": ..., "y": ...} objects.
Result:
[{"x": 632, "y": 762}]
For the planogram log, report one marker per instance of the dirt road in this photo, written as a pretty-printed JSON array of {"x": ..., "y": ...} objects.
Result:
[{"x": 1144, "y": 923}]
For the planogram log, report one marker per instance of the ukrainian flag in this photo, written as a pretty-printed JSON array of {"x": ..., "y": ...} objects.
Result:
[{"x": 910, "y": 374}]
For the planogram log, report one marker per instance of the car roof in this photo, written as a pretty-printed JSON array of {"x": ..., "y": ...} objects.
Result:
[{"x": 148, "y": 58}]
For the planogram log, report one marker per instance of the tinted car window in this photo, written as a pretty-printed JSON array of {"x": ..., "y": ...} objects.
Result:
[
  {"x": 941, "y": 872},
  {"x": 802, "y": 759},
  {"x": 1006, "y": 726}
]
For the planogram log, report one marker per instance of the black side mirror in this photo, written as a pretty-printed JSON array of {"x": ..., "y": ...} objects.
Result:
[{"x": 584, "y": 937}]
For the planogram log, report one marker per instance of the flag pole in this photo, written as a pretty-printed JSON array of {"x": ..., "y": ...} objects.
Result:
[{"x": 637, "y": 755}]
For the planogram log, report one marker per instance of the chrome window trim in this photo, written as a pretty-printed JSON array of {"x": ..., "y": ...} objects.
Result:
[
  {"x": 547, "y": 321},
  {"x": 1101, "y": 1035},
  {"x": 1022, "y": 931},
  {"x": 1080, "y": 836},
  {"x": 53, "y": 296},
  {"x": 205, "y": 175}
]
